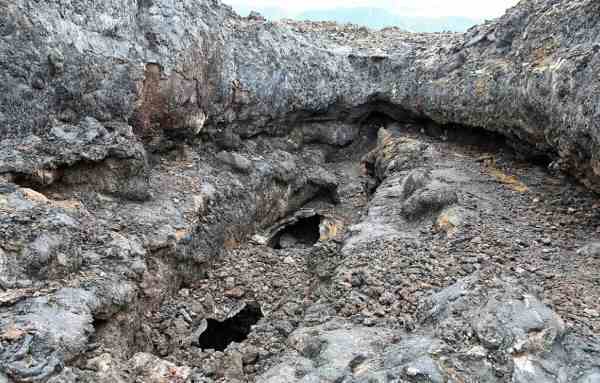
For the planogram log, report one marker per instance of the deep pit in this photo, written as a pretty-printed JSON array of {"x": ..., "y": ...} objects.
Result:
[
  {"x": 218, "y": 335},
  {"x": 303, "y": 233}
]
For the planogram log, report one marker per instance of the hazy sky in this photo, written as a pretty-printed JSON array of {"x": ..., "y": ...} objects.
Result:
[{"x": 470, "y": 8}]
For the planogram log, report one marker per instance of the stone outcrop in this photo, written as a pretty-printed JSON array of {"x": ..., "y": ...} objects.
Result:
[{"x": 179, "y": 68}]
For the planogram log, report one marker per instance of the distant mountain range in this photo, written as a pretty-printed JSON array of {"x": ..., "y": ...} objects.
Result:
[
  {"x": 375, "y": 18},
  {"x": 378, "y": 18}
]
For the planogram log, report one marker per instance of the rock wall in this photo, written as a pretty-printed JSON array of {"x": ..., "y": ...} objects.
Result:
[{"x": 180, "y": 67}]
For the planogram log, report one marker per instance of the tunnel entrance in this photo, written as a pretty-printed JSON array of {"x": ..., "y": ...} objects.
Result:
[
  {"x": 305, "y": 232},
  {"x": 370, "y": 125},
  {"x": 219, "y": 335}
]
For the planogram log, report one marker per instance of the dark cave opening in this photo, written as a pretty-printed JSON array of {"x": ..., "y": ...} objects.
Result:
[
  {"x": 468, "y": 136},
  {"x": 218, "y": 335},
  {"x": 100, "y": 325},
  {"x": 313, "y": 194},
  {"x": 380, "y": 112},
  {"x": 40, "y": 182},
  {"x": 305, "y": 232},
  {"x": 370, "y": 125}
]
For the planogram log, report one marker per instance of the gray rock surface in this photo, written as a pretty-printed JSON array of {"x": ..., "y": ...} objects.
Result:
[
  {"x": 468, "y": 333},
  {"x": 186, "y": 67},
  {"x": 154, "y": 153}
]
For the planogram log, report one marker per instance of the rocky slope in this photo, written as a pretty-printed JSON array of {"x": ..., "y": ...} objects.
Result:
[{"x": 188, "y": 195}]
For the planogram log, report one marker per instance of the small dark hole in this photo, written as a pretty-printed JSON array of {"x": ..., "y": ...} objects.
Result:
[
  {"x": 219, "y": 335},
  {"x": 303, "y": 233},
  {"x": 26, "y": 181},
  {"x": 99, "y": 324},
  {"x": 540, "y": 160},
  {"x": 370, "y": 127}
]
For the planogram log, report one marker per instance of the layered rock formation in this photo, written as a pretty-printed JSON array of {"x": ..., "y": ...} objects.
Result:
[
  {"x": 152, "y": 152},
  {"x": 177, "y": 67}
]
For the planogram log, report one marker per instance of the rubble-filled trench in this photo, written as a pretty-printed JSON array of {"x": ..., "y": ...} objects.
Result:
[{"x": 378, "y": 248}]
